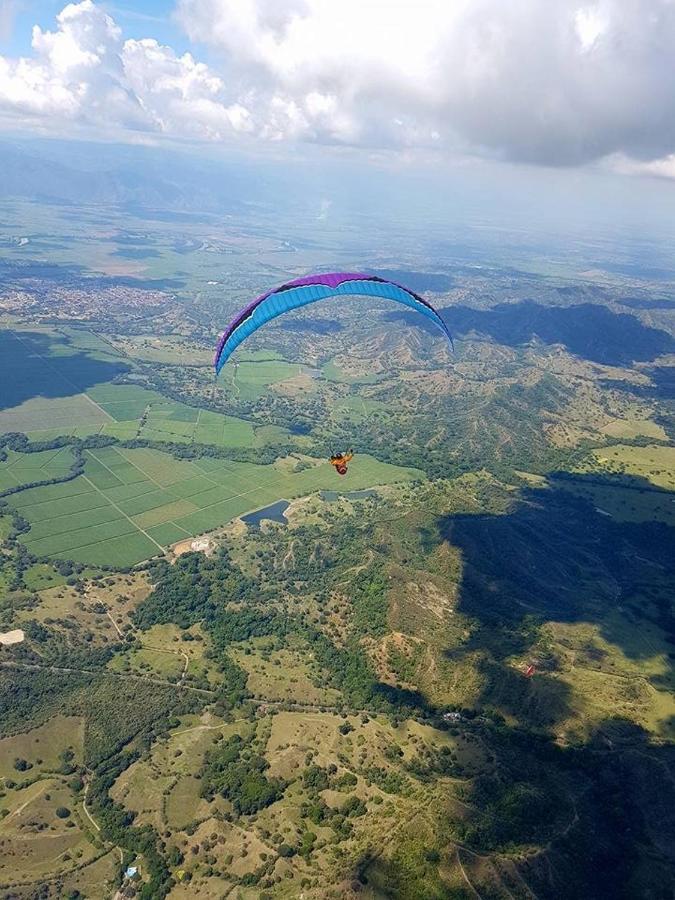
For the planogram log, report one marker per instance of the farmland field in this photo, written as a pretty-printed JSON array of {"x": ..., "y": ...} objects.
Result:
[
  {"x": 61, "y": 383},
  {"x": 45, "y": 380},
  {"x": 41, "y": 414},
  {"x": 250, "y": 378},
  {"x": 127, "y": 411},
  {"x": 24, "y": 468},
  {"x": 130, "y": 504}
]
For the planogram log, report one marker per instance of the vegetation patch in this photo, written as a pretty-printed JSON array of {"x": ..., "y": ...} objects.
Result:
[
  {"x": 280, "y": 673},
  {"x": 56, "y": 746},
  {"x": 39, "y": 834}
]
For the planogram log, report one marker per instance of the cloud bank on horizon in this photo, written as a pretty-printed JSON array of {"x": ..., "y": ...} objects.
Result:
[{"x": 562, "y": 83}]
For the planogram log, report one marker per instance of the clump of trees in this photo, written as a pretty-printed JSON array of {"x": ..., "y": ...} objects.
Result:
[{"x": 236, "y": 771}]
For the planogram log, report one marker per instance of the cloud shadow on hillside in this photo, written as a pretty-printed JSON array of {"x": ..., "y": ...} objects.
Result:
[
  {"x": 554, "y": 557},
  {"x": 590, "y": 331},
  {"x": 28, "y": 369},
  {"x": 23, "y": 273}
]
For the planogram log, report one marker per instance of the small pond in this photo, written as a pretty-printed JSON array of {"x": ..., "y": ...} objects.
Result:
[{"x": 274, "y": 512}]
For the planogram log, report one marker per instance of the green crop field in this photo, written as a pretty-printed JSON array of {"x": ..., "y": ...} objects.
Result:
[
  {"x": 357, "y": 408},
  {"x": 130, "y": 504},
  {"x": 249, "y": 378},
  {"x": 122, "y": 402},
  {"x": 175, "y": 422},
  {"x": 128, "y": 411},
  {"x": 61, "y": 383},
  {"x": 45, "y": 379},
  {"x": 23, "y": 468},
  {"x": 39, "y": 414}
]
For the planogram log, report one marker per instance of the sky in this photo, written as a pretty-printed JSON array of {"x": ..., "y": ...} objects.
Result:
[{"x": 567, "y": 84}]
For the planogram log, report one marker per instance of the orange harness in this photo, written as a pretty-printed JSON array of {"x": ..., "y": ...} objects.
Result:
[{"x": 340, "y": 461}]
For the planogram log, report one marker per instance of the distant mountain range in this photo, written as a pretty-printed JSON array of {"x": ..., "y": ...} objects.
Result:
[{"x": 91, "y": 174}]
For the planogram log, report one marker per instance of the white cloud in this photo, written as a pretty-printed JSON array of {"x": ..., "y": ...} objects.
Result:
[
  {"x": 562, "y": 82},
  {"x": 85, "y": 72},
  {"x": 553, "y": 82},
  {"x": 658, "y": 168}
]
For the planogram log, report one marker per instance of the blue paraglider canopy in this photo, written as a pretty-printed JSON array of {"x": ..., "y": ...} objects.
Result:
[{"x": 309, "y": 289}]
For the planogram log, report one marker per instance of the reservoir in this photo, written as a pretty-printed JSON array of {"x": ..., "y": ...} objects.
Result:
[{"x": 274, "y": 512}]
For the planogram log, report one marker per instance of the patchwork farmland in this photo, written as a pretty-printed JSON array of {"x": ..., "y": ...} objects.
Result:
[
  {"x": 18, "y": 469},
  {"x": 129, "y": 411},
  {"x": 130, "y": 504}
]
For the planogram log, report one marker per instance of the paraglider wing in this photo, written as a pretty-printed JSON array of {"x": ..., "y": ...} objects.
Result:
[{"x": 309, "y": 289}]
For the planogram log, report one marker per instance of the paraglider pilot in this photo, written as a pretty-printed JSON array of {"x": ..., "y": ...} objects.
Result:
[{"x": 340, "y": 460}]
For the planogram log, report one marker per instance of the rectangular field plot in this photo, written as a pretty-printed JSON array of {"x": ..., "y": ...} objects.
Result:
[
  {"x": 100, "y": 476},
  {"x": 46, "y": 378},
  {"x": 159, "y": 468},
  {"x": 124, "y": 431},
  {"x": 192, "y": 486},
  {"x": 45, "y": 528},
  {"x": 166, "y": 513},
  {"x": 68, "y": 505},
  {"x": 168, "y": 534},
  {"x": 178, "y": 412},
  {"x": 152, "y": 500},
  {"x": 122, "y": 551},
  {"x": 168, "y": 434},
  {"x": 184, "y": 424},
  {"x": 61, "y": 383},
  {"x": 51, "y": 492},
  {"x": 131, "y": 504},
  {"x": 224, "y": 431},
  {"x": 59, "y": 544},
  {"x": 40, "y": 413},
  {"x": 122, "y": 402},
  {"x": 130, "y": 491},
  {"x": 24, "y": 468},
  {"x": 250, "y": 379}
]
